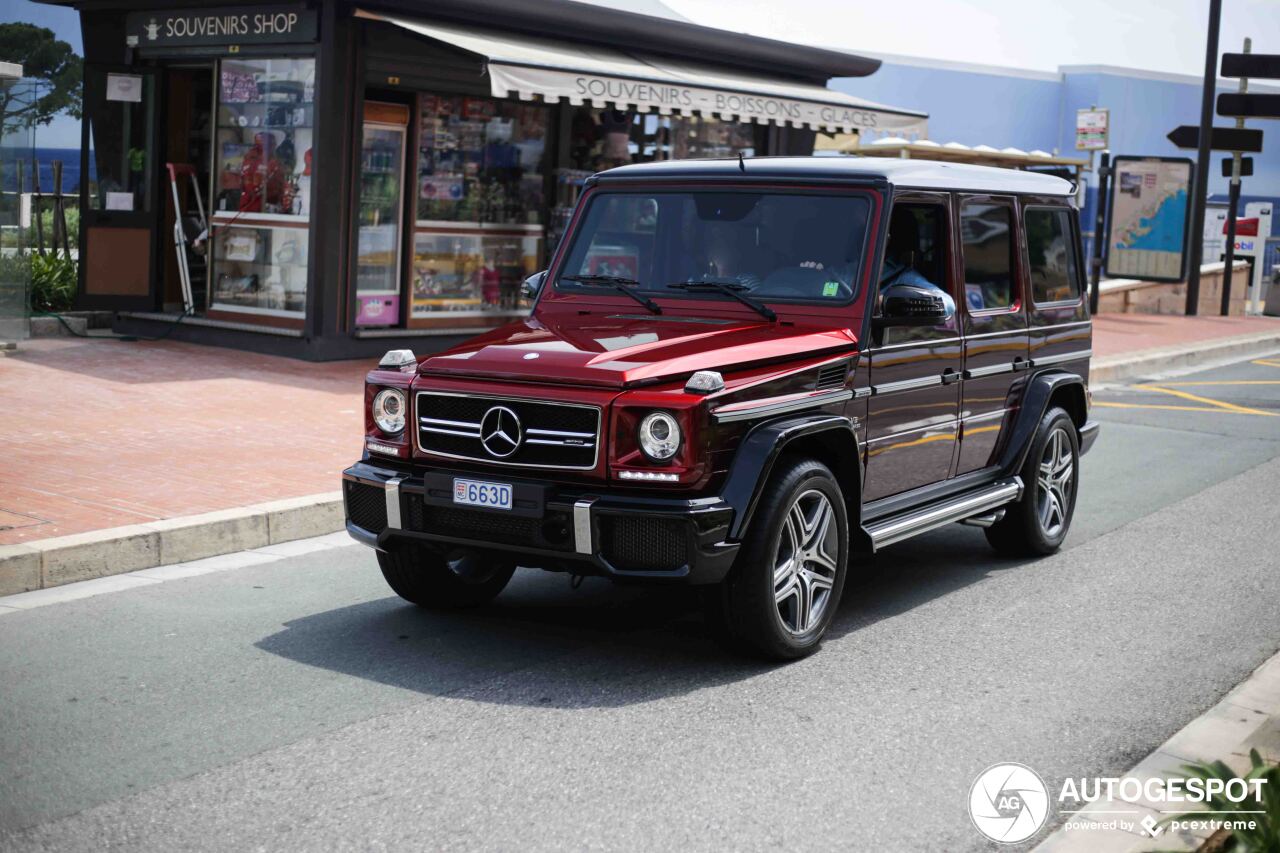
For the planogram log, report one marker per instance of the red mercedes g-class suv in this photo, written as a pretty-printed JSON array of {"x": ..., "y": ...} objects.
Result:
[{"x": 745, "y": 373}]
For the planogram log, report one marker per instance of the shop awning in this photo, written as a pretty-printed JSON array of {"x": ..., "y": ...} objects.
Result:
[{"x": 530, "y": 67}]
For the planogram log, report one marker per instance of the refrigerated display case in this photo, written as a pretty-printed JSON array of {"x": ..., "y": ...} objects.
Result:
[{"x": 381, "y": 215}]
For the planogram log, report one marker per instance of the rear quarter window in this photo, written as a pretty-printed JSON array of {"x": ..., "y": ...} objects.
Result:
[{"x": 1051, "y": 255}]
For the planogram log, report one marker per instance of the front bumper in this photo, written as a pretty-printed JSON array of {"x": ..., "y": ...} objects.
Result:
[{"x": 562, "y": 528}]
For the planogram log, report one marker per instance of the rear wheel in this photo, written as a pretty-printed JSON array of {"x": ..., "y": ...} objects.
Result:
[
  {"x": 445, "y": 580},
  {"x": 1038, "y": 522},
  {"x": 787, "y": 582}
]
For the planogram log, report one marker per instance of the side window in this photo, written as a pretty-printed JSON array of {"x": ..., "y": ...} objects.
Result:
[
  {"x": 986, "y": 231},
  {"x": 916, "y": 253},
  {"x": 1054, "y": 277}
]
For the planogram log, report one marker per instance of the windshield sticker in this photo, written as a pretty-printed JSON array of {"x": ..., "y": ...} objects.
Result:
[{"x": 831, "y": 288}]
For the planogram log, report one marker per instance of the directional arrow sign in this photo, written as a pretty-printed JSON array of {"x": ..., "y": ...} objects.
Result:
[
  {"x": 1247, "y": 140},
  {"x": 1251, "y": 65},
  {"x": 1249, "y": 106}
]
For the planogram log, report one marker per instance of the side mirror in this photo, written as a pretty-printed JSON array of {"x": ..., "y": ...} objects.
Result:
[
  {"x": 912, "y": 305},
  {"x": 532, "y": 284}
]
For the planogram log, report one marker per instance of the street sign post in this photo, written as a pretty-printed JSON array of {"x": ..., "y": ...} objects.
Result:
[
  {"x": 1201, "y": 187},
  {"x": 1242, "y": 105}
]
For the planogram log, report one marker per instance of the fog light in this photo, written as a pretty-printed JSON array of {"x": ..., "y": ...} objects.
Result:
[
  {"x": 384, "y": 449},
  {"x": 652, "y": 476}
]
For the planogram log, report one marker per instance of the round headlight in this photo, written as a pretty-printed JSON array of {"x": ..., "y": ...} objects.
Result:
[
  {"x": 388, "y": 410},
  {"x": 659, "y": 436}
]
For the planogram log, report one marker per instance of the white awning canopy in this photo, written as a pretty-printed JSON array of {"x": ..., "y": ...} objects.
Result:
[{"x": 529, "y": 67}]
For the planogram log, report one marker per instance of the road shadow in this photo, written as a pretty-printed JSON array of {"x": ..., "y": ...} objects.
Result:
[{"x": 543, "y": 644}]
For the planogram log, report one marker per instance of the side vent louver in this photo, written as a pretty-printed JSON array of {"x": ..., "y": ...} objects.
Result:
[{"x": 831, "y": 376}]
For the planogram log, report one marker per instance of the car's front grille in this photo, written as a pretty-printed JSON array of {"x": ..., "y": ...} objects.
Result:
[
  {"x": 506, "y": 431},
  {"x": 553, "y": 531},
  {"x": 366, "y": 506},
  {"x": 638, "y": 544}
]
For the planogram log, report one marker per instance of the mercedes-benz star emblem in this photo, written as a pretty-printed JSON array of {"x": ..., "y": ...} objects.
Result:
[{"x": 500, "y": 432}]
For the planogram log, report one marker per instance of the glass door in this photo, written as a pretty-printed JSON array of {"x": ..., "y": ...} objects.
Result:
[
  {"x": 380, "y": 216},
  {"x": 118, "y": 221}
]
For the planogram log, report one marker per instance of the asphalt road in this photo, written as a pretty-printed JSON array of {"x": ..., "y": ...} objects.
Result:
[{"x": 297, "y": 704}]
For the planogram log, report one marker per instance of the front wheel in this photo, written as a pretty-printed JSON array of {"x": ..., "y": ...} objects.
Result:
[
  {"x": 445, "y": 580},
  {"x": 1037, "y": 523},
  {"x": 786, "y": 585}
]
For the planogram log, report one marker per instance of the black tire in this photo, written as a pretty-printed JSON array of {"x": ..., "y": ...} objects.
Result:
[
  {"x": 445, "y": 580},
  {"x": 752, "y": 615},
  {"x": 1025, "y": 530}
]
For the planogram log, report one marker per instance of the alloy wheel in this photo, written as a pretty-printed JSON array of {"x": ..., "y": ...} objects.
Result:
[
  {"x": 804, "y": 570},
  {"x": 1053, "y": 483}
]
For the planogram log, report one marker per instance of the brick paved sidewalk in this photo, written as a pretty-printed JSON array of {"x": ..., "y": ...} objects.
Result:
[
  {"x": 100, "y": 433},
  {"x": 1119, "y": 334}
]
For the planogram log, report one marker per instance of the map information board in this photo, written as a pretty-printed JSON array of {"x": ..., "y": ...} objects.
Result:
[{"x": 1149, "y": 217}]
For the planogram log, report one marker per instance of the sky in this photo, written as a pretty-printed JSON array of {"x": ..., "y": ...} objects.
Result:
[{"x": 1156, "y": 35}]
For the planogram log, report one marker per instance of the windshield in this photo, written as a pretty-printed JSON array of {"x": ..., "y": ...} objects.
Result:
[{"x": 776, "y": 246}]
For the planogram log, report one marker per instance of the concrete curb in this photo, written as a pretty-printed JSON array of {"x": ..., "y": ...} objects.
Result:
[
  {"x": 47, "y": 563},
  {"x": 1114, "y": 368},
  {"x": 1246, "y": 718}
]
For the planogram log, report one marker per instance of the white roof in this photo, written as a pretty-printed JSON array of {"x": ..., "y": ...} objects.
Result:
[{"x": 902, "y": 174}]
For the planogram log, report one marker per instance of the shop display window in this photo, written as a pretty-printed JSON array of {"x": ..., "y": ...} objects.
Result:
[
  {"x": 262, "y": 185},
  {"x": 481, "y": 205},
  {"x": 477, "y": 271},
  {"x": 481, "y": 160}
]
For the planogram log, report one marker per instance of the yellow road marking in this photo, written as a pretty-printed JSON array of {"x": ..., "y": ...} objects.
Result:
[
  {"x": 1224, "y": 382},
  {"x": 1173, "y": 408},
  {"x": 1266, "y": 362},
  {"x": 1195, "y": 398}
]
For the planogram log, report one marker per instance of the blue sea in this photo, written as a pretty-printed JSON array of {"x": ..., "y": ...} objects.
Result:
[{"x": 70, "y": 158}]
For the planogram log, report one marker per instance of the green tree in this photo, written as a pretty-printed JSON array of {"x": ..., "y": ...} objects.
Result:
[{"x": 44, "y": 58}]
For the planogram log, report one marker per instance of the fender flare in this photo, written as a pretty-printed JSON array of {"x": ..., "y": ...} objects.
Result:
[
  {"x": 760, "y": 450},
  {"x": 1035, "y": 402}
]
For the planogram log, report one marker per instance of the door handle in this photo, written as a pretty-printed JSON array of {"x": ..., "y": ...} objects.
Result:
[
  {"x": 949, "y": 376},
  {"x": 1021, "y": 363}
]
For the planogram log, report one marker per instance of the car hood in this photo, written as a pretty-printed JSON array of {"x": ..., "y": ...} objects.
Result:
[{"x": 620, "y": 350}]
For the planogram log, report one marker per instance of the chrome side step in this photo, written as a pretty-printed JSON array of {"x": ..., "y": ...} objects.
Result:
[{"x": 968, "y": 505}]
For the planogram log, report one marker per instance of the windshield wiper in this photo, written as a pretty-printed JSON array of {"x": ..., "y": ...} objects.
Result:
[
  {"x": 620, "y": 283},
  {"x": 729, "y": 287}
]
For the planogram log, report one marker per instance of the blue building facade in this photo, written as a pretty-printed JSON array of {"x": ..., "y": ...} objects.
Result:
[{"x": 1001, "y": 107}]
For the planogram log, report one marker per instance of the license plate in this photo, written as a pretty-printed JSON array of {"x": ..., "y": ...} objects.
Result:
[{"x": 480, "y": 493}]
